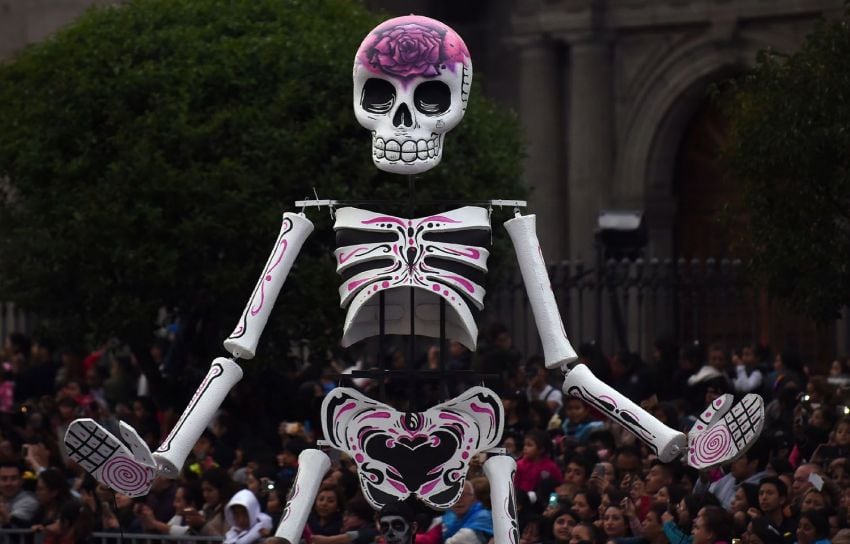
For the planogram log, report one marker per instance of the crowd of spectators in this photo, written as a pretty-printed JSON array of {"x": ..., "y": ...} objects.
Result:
[{"x": 580, "y": 478}]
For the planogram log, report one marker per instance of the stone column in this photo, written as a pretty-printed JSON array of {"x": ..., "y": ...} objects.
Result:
[
  {"x": 541, "y": 114},
  {"x": 590, "y": 139}
]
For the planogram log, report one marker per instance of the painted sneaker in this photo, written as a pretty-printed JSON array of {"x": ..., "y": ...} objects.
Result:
[
  {"x": 125, "y": 470},
  {"x": 724, "y": 431}
]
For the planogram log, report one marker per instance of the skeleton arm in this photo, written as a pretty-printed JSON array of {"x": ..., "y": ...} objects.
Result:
[
  {"x": 579, "y": 381},
  {"x": 724, "y": 430},
  {"x": 131, "y": 470}
]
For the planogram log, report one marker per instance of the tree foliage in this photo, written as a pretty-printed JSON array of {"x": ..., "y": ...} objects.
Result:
[
  {"x": 148, "y": 151},
  {"x": 790, "y": 148}
]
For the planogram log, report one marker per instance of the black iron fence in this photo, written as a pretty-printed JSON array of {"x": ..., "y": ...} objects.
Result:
[{"x": 629, "y": 304}]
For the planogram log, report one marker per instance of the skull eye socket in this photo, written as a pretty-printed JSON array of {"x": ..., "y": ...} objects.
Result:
[
  {"x": 432, "y": 97},
  {"x": 378, "y": 96}
]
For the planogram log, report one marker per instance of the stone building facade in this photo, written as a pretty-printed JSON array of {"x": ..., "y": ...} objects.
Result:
[{"x": 605, "y": 90}]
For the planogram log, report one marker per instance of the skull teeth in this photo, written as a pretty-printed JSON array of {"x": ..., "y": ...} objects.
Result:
[{"x": 407, "y": 150}]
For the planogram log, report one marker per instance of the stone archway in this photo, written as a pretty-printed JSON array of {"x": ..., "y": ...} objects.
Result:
[{"x": 666, "y": 104}]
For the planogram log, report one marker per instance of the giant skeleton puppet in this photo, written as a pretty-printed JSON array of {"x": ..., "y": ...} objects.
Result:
[{"x": 412, "y": 78}]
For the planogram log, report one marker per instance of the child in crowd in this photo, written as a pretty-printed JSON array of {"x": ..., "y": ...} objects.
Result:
[
  {"x": 578, "y": 424},
  {"x": 536, "y": 464},
  {"x": 247, "y": 523}
]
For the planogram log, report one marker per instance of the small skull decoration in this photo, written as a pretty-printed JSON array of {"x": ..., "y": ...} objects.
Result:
[{"x": 411, "y": 85}]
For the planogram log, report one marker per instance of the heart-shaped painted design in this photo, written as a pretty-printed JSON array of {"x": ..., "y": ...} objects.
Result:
[
  {"x": 425, "y": 453},
  {"x": 413, "y": 466},
  {"x": 412, "y": 443}
]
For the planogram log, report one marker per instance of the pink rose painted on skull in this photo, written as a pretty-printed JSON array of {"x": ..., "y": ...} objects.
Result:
[
  {"x": 407, "y": 50},
  {"x": 412, "y": 46}
]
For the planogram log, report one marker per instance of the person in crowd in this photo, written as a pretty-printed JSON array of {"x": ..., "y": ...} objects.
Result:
[
  {"x": 396, "y": 523},
  {"x": 76, "y": 524},
  {"x": 749, "y": 468},
  {"x": 247, "y": 523},
  {"x": 560, "y": 526},
  {"x": 17, "y": 506},
  {"x": 536, "y": 463},
  {"x": 578, "y": 423},
  {"x": 761, "y": 531},
  {"x": 586, "y": 505},
  {"x": 659, "y": 475},
  {"x": 803, "y": 476},
  {"x": 467, "y": 521},
  {"x": 652, "y": 526},
  {"x": 276, "y": 501},
  {"x": 517, "y": 419},
  {"x": 187, "y": 499},
  {"x": 773, "y": 496},
  {"x": 602, "y": 476},
  {"x": 614, "y": 522},
  {"x": 813, "y": 528},
  {"x": 748, "y": 377},
  {"x": 669, "y": 494},
  {"x": 120, "y": 515},
  {"x": 787, "y": 369},
  {"x": 586, "y": 533},
  {"x": 326, "y": 517},
  {"x": 53, "y": 492},
  {"x": 838, "y": 445},
  {"x": 746, "y": 497},
  {"x": 216, "y": 490},
  {"x": 539, "y": 388},
  {"x": 358, "y": 526},
  {"x": 579, "y": 469},
  {"x": 713, "y": 525},
  {"x": 815, "y": 499}
]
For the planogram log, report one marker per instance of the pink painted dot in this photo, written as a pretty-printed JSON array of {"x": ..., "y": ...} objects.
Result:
[
  {"x": 708, "y": 414},
  {"x": 699, "y": 427},
  {"x": 395, "y": 277},
  {"x": 269, "y": 277},
  {"x": 385, "y": 284},
  {"x": 358, "y": 458},
  {"x": 453, "y": 299},
  {"x": 409, "y": 223},
  {"x": 464, "y": 455},
  {"x": 436, "y": 288},
  {"x": 410, "y": 241},
  {"x": 446, "y": 293}
]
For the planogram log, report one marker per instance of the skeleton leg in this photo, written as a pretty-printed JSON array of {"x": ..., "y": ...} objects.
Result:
[
  {"x": 130, "y": 470},
  {"x": 312, "y": 467},
  {"x": 556, "y": 347},
  {"x": 500, "y": 471}
]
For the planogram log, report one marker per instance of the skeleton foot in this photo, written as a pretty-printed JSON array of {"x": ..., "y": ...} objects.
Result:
[
  {"x": 129, "y": 471},
  {"x": 724, "y": 432}
]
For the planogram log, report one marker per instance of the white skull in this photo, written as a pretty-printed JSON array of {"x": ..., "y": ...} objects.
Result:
[{"x": 411, "y": 85}]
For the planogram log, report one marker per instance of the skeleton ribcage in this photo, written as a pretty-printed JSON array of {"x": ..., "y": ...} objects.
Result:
[{"x": 441, "y": 256}]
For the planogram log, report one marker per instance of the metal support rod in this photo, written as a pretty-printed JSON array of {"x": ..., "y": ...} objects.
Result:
[
  {"x": 444, "y": 389},
  {"x": 411, "y": 377},
  {"x": 381, "y": 334}
]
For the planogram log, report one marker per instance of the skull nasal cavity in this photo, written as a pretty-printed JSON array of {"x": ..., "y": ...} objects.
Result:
[{"x": 402, "y": 117}]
